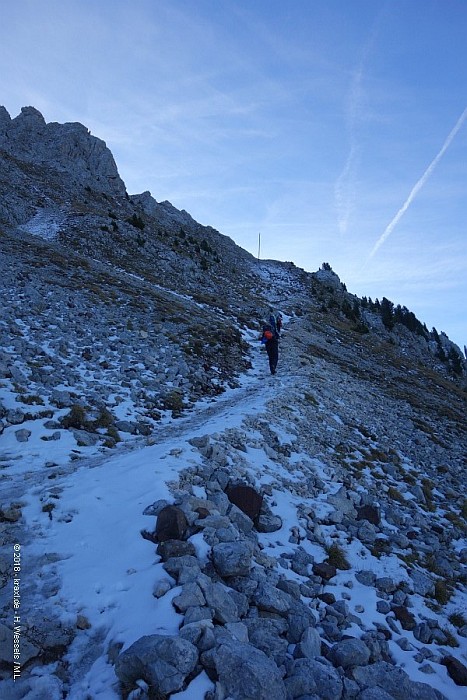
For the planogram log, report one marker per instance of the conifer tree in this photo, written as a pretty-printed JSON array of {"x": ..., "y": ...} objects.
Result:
[{"x": 387, "y": 313}]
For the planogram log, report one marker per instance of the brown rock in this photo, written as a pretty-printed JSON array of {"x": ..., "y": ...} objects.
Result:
[
  {"x": 82, "y": 622},
  {"x": 175, "y": 548},
  {"x": 456, "y": 670},
  {"x": 325, "y": 571},
  {"x": 246, "y": 498},
  {"x": 11, "y": 514},
  {"x": 405, "y": 617},
  {"x": 171, "y": 524},
  {"x": 369, "y": 513}
]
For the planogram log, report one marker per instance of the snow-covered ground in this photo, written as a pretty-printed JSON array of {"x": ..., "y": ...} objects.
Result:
[
  {"x": 46, "y": 223},
  {"x": 82, "y": 529}
]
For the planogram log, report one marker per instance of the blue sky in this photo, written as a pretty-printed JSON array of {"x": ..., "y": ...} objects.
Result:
[{"x": 335, "y": 128}]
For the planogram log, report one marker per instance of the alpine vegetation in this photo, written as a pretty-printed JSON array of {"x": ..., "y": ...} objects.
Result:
[{"x": 184, "y": 514}]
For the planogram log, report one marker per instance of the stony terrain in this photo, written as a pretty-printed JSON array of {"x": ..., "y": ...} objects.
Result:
[{"x": 344, "y": 576}]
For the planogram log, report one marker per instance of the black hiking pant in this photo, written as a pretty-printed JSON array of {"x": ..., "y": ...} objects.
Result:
[{"x": 272, "y": 348}]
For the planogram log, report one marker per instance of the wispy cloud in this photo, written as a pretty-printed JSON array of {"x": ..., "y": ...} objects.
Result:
[
  {"x": 419, "y": 184},
  {"x": 345, "y": 186}
]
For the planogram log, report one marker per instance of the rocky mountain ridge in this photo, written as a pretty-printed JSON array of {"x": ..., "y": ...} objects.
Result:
[
  {"x": 106, "y": 251},
  {"x": 121, "y": 315}
]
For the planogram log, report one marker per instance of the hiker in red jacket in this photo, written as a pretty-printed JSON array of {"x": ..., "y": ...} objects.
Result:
[{"x": 270, "y": 338}]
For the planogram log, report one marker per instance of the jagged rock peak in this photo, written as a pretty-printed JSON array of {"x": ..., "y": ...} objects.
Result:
[
  {"x": 30, "y": 114},
  {"x": 5, "y": 118},
  {"x": 327, "y": 275},
  {"x": 165, "y": 212},
  {"x": 69, "y": 148}
]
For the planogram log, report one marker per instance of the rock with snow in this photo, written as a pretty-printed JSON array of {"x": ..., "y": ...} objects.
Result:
[
  {"x": 23, "y": 435},
  {"x": 349, "y": 653},
  {"x": 315, "y": 678},
  {"x": 268, "y": 523},
  {"x": 394, "y": 681},
  {"x": 246, "y": 672},
  {"x": 163, "y": 662},
  {"x": 232, "y": 558},
  {"x": 28, "y": 649},
  {"x": 422, "y": 583}
]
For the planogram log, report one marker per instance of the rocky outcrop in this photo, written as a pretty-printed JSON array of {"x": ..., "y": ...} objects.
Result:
[{"x": 69, "y": 149}]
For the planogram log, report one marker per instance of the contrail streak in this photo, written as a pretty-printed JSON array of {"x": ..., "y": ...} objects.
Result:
[{"x": 419, "y": 184}]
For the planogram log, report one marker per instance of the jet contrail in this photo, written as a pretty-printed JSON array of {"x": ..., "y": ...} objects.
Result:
[{"x": 418, "y": 186}]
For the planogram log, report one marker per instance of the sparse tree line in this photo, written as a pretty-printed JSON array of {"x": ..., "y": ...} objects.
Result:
[{"x": 392, "y": 315}]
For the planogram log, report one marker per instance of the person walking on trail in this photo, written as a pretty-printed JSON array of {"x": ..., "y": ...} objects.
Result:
[
  {"x": 275, "y": 322},
  {"x": 270, "y": 338}
]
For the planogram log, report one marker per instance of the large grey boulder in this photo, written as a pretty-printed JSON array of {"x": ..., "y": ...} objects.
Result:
[
  {"x": 374, "y": 694},
  {"x": 349, "y": 652},
  {"x": 309, "y": 646},
  {"x": 269, "y": 523},
  {"x": 84, "y": 438},
  {"x": 178, "y": 567},
  {"x": 422, "y": 583},
  {"x": 38, "y": 688},
  {"x": 22, "y": 435},
  {"x": 190, "y": 596},
  {"x": 232, "y": 558},
  {"x": 365, "y": 577},
  {"x": 271, "y": 599},
  {"x": 220, "y": 601},
  {"x": 265, "y": 634},
  {"x": 162, "y": 662},
  {"x": 299, "y": 617},
  {"x": 199, "y": 633},
  {"x": 28, "y": 650},
  {"x": 342, "y": 503},
  {"x": 246, "y": 673},
  {"x": 394, "y": 681},
  {"x": 313, "y": 677}
]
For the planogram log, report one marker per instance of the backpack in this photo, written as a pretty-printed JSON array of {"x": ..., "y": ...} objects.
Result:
[
  {"x": 275, "y": 323},
  {"x": 267, "y": 334}
]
